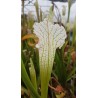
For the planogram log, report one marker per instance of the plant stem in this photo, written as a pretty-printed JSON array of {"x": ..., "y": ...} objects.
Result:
[
  {"x": 69, "y": 5},
  {"x": 23, "y": 11}
]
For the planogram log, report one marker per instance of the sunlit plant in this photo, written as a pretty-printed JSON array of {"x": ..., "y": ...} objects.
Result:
[{"x": 50, "y": 37}]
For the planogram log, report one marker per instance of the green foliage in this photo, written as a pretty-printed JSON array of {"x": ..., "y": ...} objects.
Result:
[
  {"x": 33, "y": 74},
  {"x": 27, "y": 81}
]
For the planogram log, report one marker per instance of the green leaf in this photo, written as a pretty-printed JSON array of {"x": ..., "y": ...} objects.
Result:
[
  {"x": 70, "y": 75},
  {"x": 74, "y": 34},
  {"x": 60, "y": 69},
  {"x": 37, "y": 10},
  {"x": 33, "y": 74},
  {"x": 27, "y": 81}
]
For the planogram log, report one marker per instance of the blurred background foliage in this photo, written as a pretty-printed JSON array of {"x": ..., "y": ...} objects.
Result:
[{"x": 63, "y": 76}]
